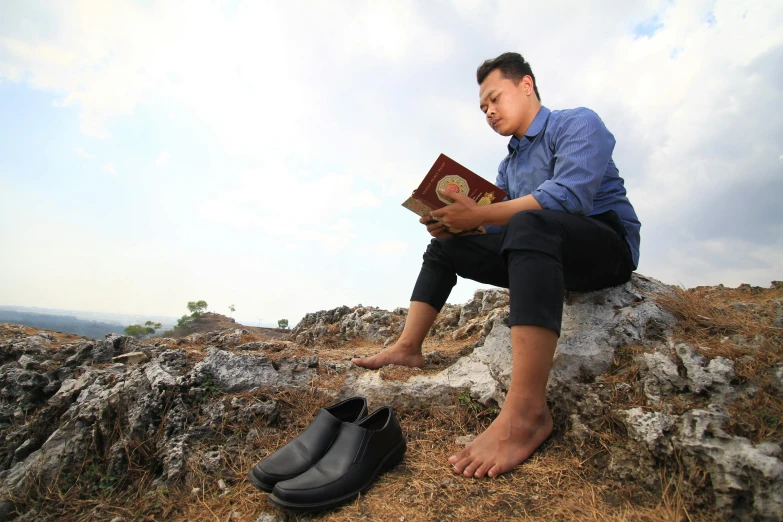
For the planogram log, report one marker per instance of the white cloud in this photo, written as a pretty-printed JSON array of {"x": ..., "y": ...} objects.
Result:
[
  {"x": 109, "y": 167},
  {"x": 285, "y": 205},
  {"x": 83, "y": 154},
  {"x": 162, "y": 160},
  {"x": 321, "y": 117}
]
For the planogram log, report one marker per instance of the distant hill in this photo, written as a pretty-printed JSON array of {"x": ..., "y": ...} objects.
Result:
[
  {"x": 61, "y": 323},
  {"x": 210, "y": 321}
]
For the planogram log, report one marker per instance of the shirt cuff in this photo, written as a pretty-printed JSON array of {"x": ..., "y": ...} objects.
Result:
[{"x": 547, "y": 202}]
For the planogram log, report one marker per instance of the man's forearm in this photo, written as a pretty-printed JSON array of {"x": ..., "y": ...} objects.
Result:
[{"x": 500, "y": 213}]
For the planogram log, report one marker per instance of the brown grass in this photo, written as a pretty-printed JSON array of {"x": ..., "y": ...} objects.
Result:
[
  {"x": 554, "y": 484},
  {"x": 737, "y": 323},
  {"x": 559, "y": 482}
]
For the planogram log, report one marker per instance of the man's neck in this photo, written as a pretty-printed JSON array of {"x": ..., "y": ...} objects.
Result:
[{"x": 535, "y": 107}]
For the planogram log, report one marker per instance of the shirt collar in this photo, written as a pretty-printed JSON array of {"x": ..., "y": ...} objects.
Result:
[{"x": 533, "y": 130}]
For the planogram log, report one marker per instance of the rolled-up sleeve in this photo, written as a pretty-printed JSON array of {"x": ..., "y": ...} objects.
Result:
[{"x": 582, "y": 149}]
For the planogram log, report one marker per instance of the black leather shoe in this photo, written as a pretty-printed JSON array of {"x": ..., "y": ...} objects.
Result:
[
  {"x": 361, "y": 452},
  {"x": 308, "y": 447}
]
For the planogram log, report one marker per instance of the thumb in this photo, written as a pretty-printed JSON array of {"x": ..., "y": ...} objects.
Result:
[{"x": 456, "y": 196}]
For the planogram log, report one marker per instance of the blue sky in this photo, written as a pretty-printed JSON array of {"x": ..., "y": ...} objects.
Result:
[{"x": 153, "y": 153}]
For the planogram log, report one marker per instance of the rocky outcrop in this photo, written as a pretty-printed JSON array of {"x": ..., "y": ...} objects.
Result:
[
  {"x": 159, "y": 405},
  {"x": 746, "y": 479},
  {"x": 594, "y": 326},
  {"x": 345, "y": 324},
  {"x": 66, "y": 411}
]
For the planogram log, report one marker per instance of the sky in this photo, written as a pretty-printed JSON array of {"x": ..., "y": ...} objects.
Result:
[{"x": 257, "y": 153}]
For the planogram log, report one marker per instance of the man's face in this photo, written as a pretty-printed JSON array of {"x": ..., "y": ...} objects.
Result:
[{"x": 505, "y": 104}]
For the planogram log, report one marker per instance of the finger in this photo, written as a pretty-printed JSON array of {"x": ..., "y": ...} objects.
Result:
[
  {"x": 439, "y": 213},
  {"x": 447, "y": 193},
  {"x": 434, "y": 227},
  {"x": 426, "y": 220},
  {"x": 456, "y": 196}
]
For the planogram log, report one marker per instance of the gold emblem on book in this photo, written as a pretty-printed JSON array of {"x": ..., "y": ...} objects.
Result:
[
  {"x": 453, "y": 184},
  {"x": 487, "y": 198}
]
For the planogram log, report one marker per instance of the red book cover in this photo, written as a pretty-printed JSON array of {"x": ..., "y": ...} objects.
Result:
[{"x": 450, "y": 175}]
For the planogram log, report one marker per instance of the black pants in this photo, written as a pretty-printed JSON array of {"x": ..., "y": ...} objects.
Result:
[{"x": 540, "y": 254}]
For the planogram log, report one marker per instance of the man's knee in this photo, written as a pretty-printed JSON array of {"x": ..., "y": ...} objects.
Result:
[
  {"x": 529, "y": 220},
  {"x": 438, "y": 250},
  {"x": 531, "y": 230}
]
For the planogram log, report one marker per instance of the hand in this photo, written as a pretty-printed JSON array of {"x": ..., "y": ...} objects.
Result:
[
  {"x": 462, "y": 214},
  {"x": 435, "y": 228}
]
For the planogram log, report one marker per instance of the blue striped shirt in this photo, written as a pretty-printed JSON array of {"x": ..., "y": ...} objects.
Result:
[{"x": 565, "y": 162}]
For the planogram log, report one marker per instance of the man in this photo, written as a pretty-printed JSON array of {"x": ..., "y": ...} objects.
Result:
[{"x": 566, "y": 224}]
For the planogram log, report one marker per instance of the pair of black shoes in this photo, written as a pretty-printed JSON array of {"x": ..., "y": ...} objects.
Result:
[{"x": 337, "y": 457}]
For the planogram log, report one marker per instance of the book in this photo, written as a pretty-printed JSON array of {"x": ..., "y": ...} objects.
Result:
[{"x": 450, "y": 175}]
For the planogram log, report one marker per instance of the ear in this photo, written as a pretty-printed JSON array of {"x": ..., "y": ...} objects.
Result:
[{"x": 527, "y": 84}]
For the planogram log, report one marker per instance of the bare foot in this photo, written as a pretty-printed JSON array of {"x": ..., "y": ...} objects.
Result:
[
  {"x": 509, "y": 440},
  {"x": 396, "y": 354}
]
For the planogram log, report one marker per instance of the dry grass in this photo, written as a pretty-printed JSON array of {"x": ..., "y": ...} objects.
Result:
[
  {"x": 554, "y": 484},
  {"x": 559, "y": 482},
  {"x": 737, "y": 323}
]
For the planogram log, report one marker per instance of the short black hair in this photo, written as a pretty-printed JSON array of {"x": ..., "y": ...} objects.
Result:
[{"x": 511, "y": 65}]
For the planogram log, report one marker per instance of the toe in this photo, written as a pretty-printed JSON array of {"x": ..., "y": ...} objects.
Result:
[
  {"x": 498, "y": 469},
  {"x": 482, "y": 470},
  {"x": 460, "y": 466},
  {"x": 459, "y": 456},
  {"x": 471, "y": 468}
]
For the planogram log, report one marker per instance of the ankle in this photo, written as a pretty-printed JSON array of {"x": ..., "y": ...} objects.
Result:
[
  {"x": 406, "y": 346},
  {"x": 534, "y": 408}
]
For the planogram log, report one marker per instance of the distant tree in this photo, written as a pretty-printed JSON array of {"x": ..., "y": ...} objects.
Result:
[
  {"x": 232, "y": 308},
  {"x": 282, "y": 323},
  {"x": 138, "y": 331},
  {"x": 197, "y": 308}
]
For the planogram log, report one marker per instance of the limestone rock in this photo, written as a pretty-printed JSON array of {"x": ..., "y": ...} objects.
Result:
[
  {"x": 746, "y": 479},
  {"x": 595, "y": 325},
  {"x": 131, "y": 358},
  {"x": 701, "y": 376},
  {"x": 231, "y": 372},
  {"x": 661, "y": 377},
  {"x": 484, "y": 374},
  {"x": 650, "y": 428}
]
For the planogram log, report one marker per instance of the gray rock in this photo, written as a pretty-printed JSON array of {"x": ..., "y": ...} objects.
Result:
[
  {"x": 595, "y": 324},
  {"x": 650, "y": 428},
  {"x": 231, "y": 372},
  {"x": 484, "y": 374},
  {"x": 7, "y": 510},
  {"x": 23, "y": 389},
  {"x": 746, "y": 479},
  {"x": 269, "y": 517},
  {"x": 131, "y": 358},
  {"x": 28, "y": 363},
  {"x": 112, "y": 346},
  {"x": 701, "y": 376},
  {"x": 777, "y": 322},
  {"x": 660, "y": 376}
]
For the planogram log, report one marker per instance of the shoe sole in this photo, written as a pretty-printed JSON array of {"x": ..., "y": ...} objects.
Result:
[{"x": 392, "y": 459}]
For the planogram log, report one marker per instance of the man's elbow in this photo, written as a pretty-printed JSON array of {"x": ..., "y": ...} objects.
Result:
[{"x": 566, "y": 201}]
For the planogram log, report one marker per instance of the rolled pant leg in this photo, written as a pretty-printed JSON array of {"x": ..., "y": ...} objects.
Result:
[{"x": 532, "y": 250}]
